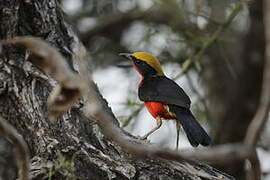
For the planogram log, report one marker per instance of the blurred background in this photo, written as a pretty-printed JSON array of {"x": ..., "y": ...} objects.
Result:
[{"x": 213, "y": 49}]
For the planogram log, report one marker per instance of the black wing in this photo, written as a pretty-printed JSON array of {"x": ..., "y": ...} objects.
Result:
[{"x": 163, "y": 89}]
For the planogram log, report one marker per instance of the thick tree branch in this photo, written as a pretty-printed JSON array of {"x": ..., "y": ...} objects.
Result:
[
  {"x": 215, "y": 155},
  {"x": 53, "y": 63}
]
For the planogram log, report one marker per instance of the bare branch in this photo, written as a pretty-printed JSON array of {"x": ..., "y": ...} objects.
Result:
[
  {"x": 216, "y": 155},
  {"x": 259, "y": 120},
  {"x": 21, "y": 149},
  {"x": 216, "y": 35},
  {"x": 132, "y": 115},
  {"x": 201, "y": 99},
  {"x": 257, "y": 124},
  {"x": 254, "y": 171},
  {"x": 48, "y": 58}
]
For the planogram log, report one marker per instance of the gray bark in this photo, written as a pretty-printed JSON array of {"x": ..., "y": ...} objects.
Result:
[{"x": 72, "y": 147}]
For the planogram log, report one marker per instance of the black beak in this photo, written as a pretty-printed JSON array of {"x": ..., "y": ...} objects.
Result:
[{"x": 126, "y": 55}]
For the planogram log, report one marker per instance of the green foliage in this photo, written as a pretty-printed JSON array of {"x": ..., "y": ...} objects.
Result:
[
  {"x": 131, "y": 103},
  {"x": 135, "y": 110},
  {"x": 63, "y": 166}
]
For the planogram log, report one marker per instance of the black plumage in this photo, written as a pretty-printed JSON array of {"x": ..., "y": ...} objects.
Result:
[
  {"x": 163, "y": 89},
  {"x": 166, "y": 91},
  {"x": 195, "y": 133}
]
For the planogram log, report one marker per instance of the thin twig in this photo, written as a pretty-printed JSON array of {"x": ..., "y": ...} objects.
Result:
[
  {"x": 132, "y": 115},
  {"x": 221, "y": 29},
  {"x": 10, "y": 133},
  {"x": 215, "y": 36},
  {"x": 201, "y": 99},
  {"x": 227, "y": 61}
]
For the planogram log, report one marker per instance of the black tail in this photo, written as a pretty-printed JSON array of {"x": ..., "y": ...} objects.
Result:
[{"x": 195, "y": 133}]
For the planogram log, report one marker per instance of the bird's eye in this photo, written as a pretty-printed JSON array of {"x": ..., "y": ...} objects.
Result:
[{"x": 137, "y": 61}]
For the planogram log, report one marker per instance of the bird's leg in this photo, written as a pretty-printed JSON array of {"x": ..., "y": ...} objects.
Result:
[
  {"x": 159, "y": 123},
  {"x": 177, "y": 133}
]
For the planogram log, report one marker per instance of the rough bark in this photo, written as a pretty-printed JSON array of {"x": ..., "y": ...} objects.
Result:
[{"x": 72, "y": 147}]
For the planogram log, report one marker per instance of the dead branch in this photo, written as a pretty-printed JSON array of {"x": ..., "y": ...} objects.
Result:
[
  {"x": 223, "y": 154},
  {"x": 254, "y": 169},
  {"x": 256, "y": 126},
  {"x": 214, "y": 155},
  {"x": 259, "y": 120},
  {"x": 21, "y": 150}
]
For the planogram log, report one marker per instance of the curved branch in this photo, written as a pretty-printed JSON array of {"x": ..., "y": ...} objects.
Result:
[
  {"x": 258, "y": 122},
  {"x": 86, "y": 87},
  {"x": 54, "y": 64}
]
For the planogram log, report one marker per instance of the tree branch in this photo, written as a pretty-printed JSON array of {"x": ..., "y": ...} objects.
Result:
[
  {"x": 254, "y": 171},
  {"x": 258, "y": 122},
  {"x": 54, "y": 64},
  {"x": 86, "y": 87}
]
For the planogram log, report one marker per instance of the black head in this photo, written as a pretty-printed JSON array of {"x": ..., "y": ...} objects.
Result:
[{"x": 141, "y": 66}]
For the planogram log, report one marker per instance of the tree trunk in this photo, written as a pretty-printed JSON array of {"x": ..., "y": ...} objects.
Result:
[
  {"x": 72, "y": 147},
  {"x": 234, "y": 96}
]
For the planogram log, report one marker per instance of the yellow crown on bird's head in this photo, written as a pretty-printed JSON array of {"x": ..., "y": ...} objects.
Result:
[{"x": 150, "y": 60}]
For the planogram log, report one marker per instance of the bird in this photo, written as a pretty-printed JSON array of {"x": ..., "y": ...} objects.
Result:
[{"x": 165, "y": 99}]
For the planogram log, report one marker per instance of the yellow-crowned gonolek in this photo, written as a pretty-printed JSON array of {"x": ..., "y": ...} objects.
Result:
[{"x": 165, "y": 99}]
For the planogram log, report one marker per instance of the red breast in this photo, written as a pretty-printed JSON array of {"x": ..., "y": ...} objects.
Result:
[{"x": 158, "y": 109}]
